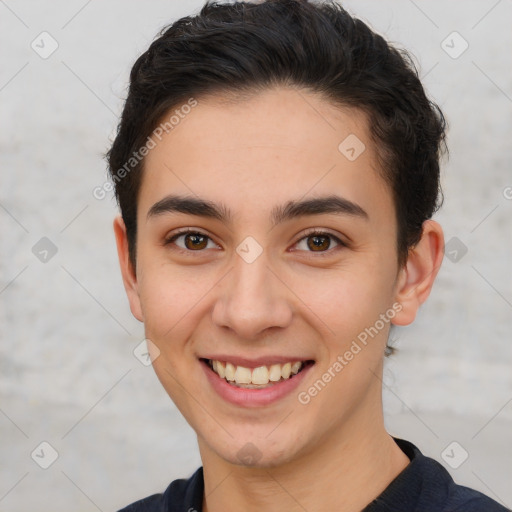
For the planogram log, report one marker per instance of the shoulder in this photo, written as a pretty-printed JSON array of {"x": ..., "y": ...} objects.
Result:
[
  {"x": 457, "y": 498},
  {"x": 426, "y": 486},
  {"x": 183, "y": 495},
  {"x": 152, "y": 503},
  {"x": 440, "y": 488},
  {"x": 464, "y": 499}
]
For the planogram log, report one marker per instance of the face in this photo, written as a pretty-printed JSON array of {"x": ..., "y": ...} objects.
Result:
[{"x": 262, "y": 242}]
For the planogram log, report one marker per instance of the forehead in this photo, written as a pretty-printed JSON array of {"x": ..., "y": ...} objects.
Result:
[{"x": 274, "y": 145}]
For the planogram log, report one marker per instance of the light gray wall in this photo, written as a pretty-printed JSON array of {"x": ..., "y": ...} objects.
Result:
[{"x": 67, "y": 372}]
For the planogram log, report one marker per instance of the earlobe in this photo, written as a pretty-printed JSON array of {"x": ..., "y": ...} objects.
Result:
[
  {"x": 417, "y": 277},
  {"x": 127, "y": 270}
]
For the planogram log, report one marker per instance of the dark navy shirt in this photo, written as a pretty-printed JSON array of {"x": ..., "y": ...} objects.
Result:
[{"x": 423, "y": 486}]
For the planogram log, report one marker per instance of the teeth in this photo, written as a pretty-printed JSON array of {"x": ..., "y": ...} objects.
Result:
[
  {"x": 259, "y": 376},
  {"x": 221, "y": 369},
  {"x": 230, "y": 371},
  {"x": 296, "y": 367},
  {"x": 275, "y": 372},
  {"x": 242, "y": 375},
  {"x": 286, "y": 370}
]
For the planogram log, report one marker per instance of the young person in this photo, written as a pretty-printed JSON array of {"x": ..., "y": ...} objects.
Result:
[{"x": 277, "y": 168}]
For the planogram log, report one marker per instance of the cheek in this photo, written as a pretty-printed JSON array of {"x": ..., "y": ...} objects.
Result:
[
  {"x": 345, "y": 300},
  {"x": 171, "y": 303},
  {"x": 169, "y": 296}
]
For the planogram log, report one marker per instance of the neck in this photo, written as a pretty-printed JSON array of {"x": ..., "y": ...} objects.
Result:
[{"x": 343, "y": 472}]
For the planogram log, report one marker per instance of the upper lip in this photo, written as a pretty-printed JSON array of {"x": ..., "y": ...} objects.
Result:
[{"x": 255, "y": 362}]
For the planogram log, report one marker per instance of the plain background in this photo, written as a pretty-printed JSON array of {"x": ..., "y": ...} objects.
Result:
[{"x": 68, "y": 375}]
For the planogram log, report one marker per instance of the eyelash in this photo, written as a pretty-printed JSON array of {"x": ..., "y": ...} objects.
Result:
[{"x": 311, "y": 233}]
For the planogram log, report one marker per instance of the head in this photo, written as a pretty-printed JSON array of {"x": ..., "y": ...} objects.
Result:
[{"x": 300, "y": 149}]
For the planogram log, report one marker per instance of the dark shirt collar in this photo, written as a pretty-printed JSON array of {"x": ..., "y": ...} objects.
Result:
[{"x": 424, "y": 485}]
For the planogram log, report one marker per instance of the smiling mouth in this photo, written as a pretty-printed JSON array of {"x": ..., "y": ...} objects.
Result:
[{"x": 256, "y": 378}]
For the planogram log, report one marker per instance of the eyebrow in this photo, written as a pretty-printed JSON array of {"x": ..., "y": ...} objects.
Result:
[
  {"x": 291, "y": 210},
  {"x": 191, "y": 206}
]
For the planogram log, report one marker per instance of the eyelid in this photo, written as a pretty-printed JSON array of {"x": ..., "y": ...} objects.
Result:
[{"x": 320, "y": 231}]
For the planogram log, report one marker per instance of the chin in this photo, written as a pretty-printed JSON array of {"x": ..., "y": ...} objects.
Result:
[{"x": 256, "y": 452}]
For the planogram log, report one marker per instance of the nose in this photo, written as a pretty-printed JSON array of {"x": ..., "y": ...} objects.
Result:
[{"x": 252, "y": 300}]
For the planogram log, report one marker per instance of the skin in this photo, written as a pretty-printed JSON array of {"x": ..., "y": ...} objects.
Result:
[{"x": 253, "y": 155}]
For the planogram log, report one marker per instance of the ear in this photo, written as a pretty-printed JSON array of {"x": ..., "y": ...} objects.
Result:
[
  {"x": 416, "y": 278},
  {"x": 127, "y": 270}
]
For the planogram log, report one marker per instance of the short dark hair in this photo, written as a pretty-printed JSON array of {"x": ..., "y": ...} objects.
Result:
[{"x": 246, "y": 47}]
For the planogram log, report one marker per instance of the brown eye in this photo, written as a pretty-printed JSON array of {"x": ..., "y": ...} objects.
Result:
[
  {"x": 318, "y": 243},
  {"x": 191, "y": 241},
  {"x": 195, "y": 241}
]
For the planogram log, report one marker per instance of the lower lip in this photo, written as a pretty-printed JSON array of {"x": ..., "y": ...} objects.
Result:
[{"x": 253, "y": 397}]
